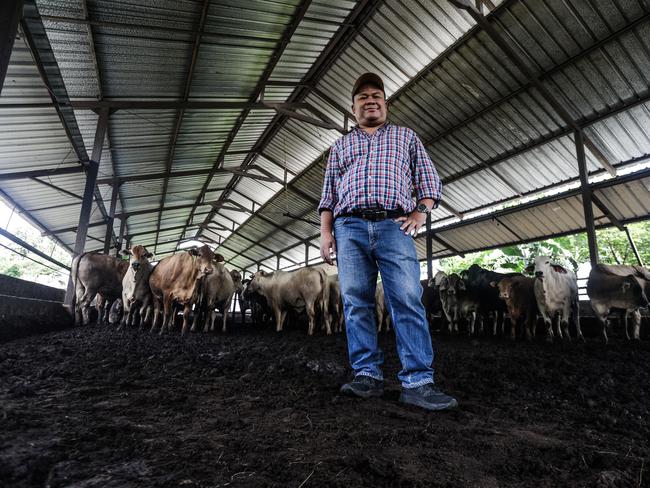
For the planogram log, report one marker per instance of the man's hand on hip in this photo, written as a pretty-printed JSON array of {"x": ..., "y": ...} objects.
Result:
[{"x": 412, "y": 222}]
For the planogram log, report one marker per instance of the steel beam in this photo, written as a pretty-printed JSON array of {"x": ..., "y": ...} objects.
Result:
[
  {"x": 178, "y": 174},
  {"x": 586, "y": 199},
  {"x": 82, "y": 228},
  {"x": 120, "y": 239},
  {"x": 41, "y": 173},
  {"x": 57, "y": 188},
  {"x": 608, "y": 213},
  {"x": 633, "y": 246},
  {"x": 10, "y": 13},
  {"x": 31, "y": 248},
  {"x": 111, "y": 218},
  {"x": 119, "y": 104}
]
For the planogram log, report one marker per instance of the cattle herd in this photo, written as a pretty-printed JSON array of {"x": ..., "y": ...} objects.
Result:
[{"x": 197, "y": 283}]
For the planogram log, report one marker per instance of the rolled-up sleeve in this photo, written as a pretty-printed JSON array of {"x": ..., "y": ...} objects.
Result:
[
  {"x": 426, "y": 181},
  {"x": 328, "y": 197}
]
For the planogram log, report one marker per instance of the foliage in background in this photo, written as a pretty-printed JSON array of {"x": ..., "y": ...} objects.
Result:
[
  {"x": 613, "y": 247},
  {"x": 16, "y": 265}
]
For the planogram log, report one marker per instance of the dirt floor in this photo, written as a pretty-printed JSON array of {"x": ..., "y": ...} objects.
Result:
[{"x": 92, "y": 407}]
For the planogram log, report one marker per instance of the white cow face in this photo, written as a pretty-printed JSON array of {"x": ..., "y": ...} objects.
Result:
[
  {"x": 138, "y": 257},
  {"x": 544, "y": 267}
]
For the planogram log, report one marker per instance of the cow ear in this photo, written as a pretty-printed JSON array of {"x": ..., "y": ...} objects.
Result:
[
  {"x": 127, "y": 252},
  {"x": 194, "y": 251},
  {"x": 558, "y": 269},
  {"x": 148, "y": 255},
  {"x": 529, "y": 269},
  {"x": 494, "y": 284}
]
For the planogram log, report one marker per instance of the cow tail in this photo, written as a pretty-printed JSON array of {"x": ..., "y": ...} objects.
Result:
[{"x": 74, "y": 275}]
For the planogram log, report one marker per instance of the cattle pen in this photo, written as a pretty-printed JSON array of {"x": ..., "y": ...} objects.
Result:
[{"x": 180, "y": 146}]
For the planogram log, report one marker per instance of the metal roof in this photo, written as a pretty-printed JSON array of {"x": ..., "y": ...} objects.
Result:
[{"x": 192, "y": 84}]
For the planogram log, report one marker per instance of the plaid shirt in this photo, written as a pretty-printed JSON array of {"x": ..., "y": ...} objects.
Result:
[{"x": 378, "y": 171}]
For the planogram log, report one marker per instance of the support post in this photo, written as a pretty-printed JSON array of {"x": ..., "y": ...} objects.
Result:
[
  {"x": 586, "y": 198},
  {"x": 277, "y": 262},
  {"x": 120, "y": 239},
  {"x": 633, "y": 246},
  {"x": 87, "y": 202},
  {"x": 111, "y": 218},
  {"x": 10, "y": 13},
  {"x": 306, "y": 254},
  {"x": 429, "y": 248}
]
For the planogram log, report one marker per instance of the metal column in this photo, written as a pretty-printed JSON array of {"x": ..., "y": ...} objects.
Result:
[
  {"x": 633, "y": 246},
  {"x": 306, "y": 254},
  {"x": 111, "y": 217},
  {"x": 429, "y": 248},
  {"x": 10, "y": 13},
  {"x": 586, "y": 198},
  {"x": 120, "y": 239},
  {"x": 89, "y": 190}
]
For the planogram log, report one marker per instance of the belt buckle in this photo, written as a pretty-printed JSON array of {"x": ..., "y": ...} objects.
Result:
[{"x": 374, "y": 215}]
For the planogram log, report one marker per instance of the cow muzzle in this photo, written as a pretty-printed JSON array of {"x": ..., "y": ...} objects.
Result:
[
  {"x": 135, "y": 266},
  {"x": 207, "y": 270},
  {"x": 539, "y": 274}
]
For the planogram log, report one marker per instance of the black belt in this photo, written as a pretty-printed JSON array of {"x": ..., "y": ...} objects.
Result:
[{"x": 374, "y": 215}]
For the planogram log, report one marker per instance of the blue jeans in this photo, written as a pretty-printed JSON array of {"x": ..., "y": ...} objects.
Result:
[{"x": 362, "y": 249}]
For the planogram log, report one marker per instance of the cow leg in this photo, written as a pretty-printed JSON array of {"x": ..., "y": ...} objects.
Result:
[
  {"x": 168, "y": 314},
  {"x": 636, "y": 324},
  {"x": 156, "y": 315},
  {"x": 226, "y": 307},
  {"x": 601, "y": 314},
  {"x": 186, "y": 318}
]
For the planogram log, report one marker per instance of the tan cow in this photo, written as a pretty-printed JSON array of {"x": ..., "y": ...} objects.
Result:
[
  {"x": 93, "y": 274},
  {"x": 177, "y": 279},
  {"x": 136, "y": 294},
  {"x": 303, "y": 288},
  {"x": 335, "y": 306}
]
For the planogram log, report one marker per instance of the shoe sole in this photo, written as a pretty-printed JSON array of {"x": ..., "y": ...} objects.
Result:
[
  {"x": 433, "y": 407},
  {"x": 347, "y": 390}
]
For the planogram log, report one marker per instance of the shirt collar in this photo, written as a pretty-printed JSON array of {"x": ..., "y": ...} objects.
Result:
[{"x": 381, "y": 130}]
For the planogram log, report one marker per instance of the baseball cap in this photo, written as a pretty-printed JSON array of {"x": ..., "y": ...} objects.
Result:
[{"x": 368, "y": 79}]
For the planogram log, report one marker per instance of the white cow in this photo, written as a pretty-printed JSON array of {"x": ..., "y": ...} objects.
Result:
[
  {"x": 303, "y": 288},
  {"x": 556, "y": 293}
]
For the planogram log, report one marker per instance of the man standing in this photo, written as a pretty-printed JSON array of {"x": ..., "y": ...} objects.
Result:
[{"x": 371, "y": 174}]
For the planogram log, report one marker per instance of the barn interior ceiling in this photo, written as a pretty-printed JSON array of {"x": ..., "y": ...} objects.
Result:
[{"x": 215, "y": 116}]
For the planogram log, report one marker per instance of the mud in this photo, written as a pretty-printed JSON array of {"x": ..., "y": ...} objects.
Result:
[{"x": 92, "y": 407}]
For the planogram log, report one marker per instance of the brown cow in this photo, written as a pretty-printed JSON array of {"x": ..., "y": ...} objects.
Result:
[
  {"x": 93, "y": 274},
  {"x": 303, "y": 288},
  {"x": 177, "y": 279},
  {"x": 519, "y": 294},
  {"x": 136, "y": 294}
]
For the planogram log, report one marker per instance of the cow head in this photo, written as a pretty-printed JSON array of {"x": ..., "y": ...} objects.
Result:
[
  {"x": 543, "y": 266},
  {"x": 218, "y": 258},
  {"x": 504, "y": 286},
  {"x": 138, "y": 257},
  {"x": 437, "y": 279},
  {"x": 635, "y": 289},
  {"x": 203, "y": 262},
  {"x": 236, "y": 279},
  {"x": 255, "y": 286}
]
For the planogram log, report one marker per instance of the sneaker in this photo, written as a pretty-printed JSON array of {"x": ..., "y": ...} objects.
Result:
[
  {"x": 364, "y": 386},
  {"x": 427, "y": 397}
]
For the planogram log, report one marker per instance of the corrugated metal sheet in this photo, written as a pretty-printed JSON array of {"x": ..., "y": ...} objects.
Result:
[{"x": 492, "y": 134}]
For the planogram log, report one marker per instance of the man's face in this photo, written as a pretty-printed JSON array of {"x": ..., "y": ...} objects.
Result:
[{"x": 369, "y": 106}]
